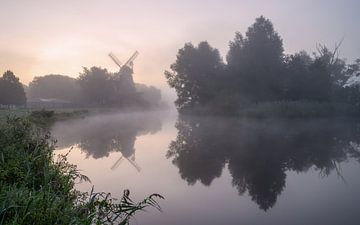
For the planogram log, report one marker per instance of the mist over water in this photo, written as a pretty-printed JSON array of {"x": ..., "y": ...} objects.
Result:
[
  {"x": 234, "y": 111},
  {"x": 99, "y": 135},
  {"x": 215, "y": 170}
]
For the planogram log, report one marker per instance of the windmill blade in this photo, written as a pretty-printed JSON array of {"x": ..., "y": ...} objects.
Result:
[
  {"x": 115, "y": 59},
  {"x": 134, "y": 164},
  {"x": 131, "y": 59},
  {"x": 117, "y": 163}
]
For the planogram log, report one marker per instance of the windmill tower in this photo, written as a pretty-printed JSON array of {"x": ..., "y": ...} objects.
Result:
[{"x": 125, "y": 74}]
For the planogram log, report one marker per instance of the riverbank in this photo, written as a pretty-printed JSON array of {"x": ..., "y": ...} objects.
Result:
[
  {"x": 36, "y": 189},
  {"x": 59, "y": 113},
  {"x": 299, "y": 109},
  {"x": 278, "y": 109}
]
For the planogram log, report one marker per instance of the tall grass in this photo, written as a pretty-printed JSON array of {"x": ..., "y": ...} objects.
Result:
[{"x": 36, "y": 189}]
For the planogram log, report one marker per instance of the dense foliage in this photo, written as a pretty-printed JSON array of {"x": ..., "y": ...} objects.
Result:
[
  {"x": 11, "y": 90},
  {"x": 54, "y": 87},
  {"x": 101, "y": 88},
  {"x": 258, "y": 71},
  {"x": 35, "y": 189},
  {"x": 95, "y": 87},
  {"x": 196, "y": 69}
]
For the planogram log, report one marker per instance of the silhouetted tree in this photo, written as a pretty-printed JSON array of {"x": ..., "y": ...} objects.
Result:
[
  {"x": 335, "y": 67},
  {"x": 96, "y": 86},
  {"x": 299, "y": 80},
  {"x": 257, "y": 71},
  {"x": 100, "y": 88},
  {"x": 309, "y": 79},
  {"x": 194, "y": 75},
  {"x": 54, "y": 86},
  {"x": 11, "y": 90},
  {"x": 255, "y": 62}
]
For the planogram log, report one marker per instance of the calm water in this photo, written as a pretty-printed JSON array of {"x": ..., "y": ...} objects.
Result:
[{"x": 222, "y": 171}]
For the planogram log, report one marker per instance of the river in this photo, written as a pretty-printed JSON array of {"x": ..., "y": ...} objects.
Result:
[{"x": 214, "y": 170}]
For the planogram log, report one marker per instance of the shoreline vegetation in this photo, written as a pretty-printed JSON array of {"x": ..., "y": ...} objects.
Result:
[
  {"x": 281, "y": 109},
  {"x": 258, "y": 79},
  {"x": 44, "y": 118},
  {"x": 37, "y": 189}
]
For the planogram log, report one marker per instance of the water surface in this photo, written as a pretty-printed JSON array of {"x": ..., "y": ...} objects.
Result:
[{"x": 215, "y": 170}]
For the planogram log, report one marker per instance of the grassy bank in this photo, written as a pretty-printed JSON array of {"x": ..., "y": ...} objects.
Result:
[
  {"x": 36, "y": 189},
  {"x": 17, "y": 112},
  {"x": 278, "y": 109},
  {"x": 299, "y": 109},
  {"x": 54, "y": 113},
  {"x": 46, "y": 118}
]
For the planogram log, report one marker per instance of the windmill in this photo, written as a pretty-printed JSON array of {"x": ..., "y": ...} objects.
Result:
[
  {"x": 127, "y": 85},
  {"x": 129, "y": 63}
]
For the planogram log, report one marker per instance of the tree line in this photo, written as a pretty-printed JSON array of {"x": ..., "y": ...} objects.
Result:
[
  {"x": 95, "y": 86},
  {"x": 258, "y": 71}
]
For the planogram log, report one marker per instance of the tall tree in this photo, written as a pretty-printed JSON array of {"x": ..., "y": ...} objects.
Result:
[
  {"x": 11, "y": 90},
  {"x": 194, "y": 74},
  {"x": 255, "y": 61}
]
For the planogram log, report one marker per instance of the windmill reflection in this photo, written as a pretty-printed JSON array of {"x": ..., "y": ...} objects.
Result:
[
  {"x": 131, "y": 161},
  {"x": 258, "y": 153},
  {"x": 99, "y": 136}
]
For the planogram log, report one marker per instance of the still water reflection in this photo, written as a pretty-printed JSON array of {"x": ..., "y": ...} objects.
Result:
[
  {"x": 221, "y": 170},
  {"x": 258, "y": 153},
  {"x": 98, "y": 136}
]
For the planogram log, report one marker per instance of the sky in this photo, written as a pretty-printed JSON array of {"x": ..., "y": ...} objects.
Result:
[{"x": 40, "y": 37}]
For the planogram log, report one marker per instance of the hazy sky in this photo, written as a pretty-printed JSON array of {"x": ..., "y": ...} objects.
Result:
[{"x": 41, "y": 37}]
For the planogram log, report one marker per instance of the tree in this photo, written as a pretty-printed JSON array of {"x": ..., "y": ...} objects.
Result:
[
  {"x": 299, "y": 80},
  {"x": 54, "y": 86},
  {"x": 258, "y": 71},
  {"x": 336, "y": 67},
  {"x": 194, "y": 75},
  {"x": 262, "y": 45},
  {"x": 11, "y": 90},
  {"x": 148, "y": 95},
  {"x": 255, "y": 62},
  {"x": 96, "y": 86},
  {"x": 315, "y": 79}
]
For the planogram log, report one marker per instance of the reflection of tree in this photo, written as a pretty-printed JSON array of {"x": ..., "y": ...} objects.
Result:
[
  {"x": 195, "y": 153},
  {"x": 98, "y": 136},
  {"x": 111, "y": 137},
  {"x": 259, "y": 153}
]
